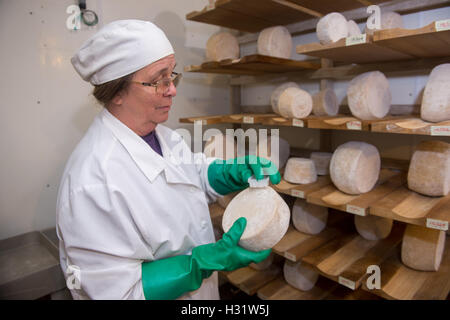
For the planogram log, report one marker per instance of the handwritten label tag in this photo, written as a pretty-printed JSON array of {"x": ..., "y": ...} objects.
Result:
[
  {"x": 437, "y": 224},
  {"x": 298, "y": 194},
  {"x": 442, "y": 25},
  {"x": 199, "y": 122},
  {"x": 248, "y": 120},
  {"x": 354, "y": 125},
  {"x": 289, "y": 256},
  {"x": 440, "y": 130},
  {"x": 348, "y": 283},
  {"x": 355, "y": 210},
  {"x": 298, "y": 123},
  {"x": 358, "y": 39}
]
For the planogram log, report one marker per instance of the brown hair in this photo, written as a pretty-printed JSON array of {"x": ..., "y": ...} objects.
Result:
[{"x": 105, "y": 92}]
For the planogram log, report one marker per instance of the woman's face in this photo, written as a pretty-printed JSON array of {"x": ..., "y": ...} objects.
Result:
[{"x": 143, "y": 101}]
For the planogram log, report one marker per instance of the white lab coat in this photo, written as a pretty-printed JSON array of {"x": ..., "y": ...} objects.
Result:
[{"x": 120, "y": 203}]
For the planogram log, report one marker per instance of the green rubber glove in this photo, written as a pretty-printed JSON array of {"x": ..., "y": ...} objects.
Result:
[
  {"x": 226, "y": 176},
  {"x": 170, "y": 278}
]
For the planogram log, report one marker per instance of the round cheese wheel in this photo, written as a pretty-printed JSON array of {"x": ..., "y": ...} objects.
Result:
[
  {"x": 299, "y": 276},
  {"x": 355, "y": 167},
  {"x": 422, "y": 248},
  {"x": 353, "y": 29},
  {"x": 332, "y": 28},
  {"x": 369, "y": 96},
  {"x": 275, "y": 97},
  {"x": 389, "y": 20},
  {"x": 263, "y": 265},
  {"x": 295, "y": 103},
  {"x": 300, "y": 171},
  {"x": 322, "y": 162},
  {"x": 267, "y": 217},
  {"x": 221, "y": 146},
  {"x": 325, "y": 103},
  {"x": 280, "y": 155},
  {"x": 275, "y": 42},
  {"x": 429, "y": 169},
  {"x": 436, "y": 96},
  {"x": 309, "y": 218},
  {"x": 221, "y": 46},
  {"x": 373, "y": 227}
]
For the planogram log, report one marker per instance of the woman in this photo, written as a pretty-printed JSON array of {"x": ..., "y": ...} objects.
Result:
[{"x": 132, "y": 220}]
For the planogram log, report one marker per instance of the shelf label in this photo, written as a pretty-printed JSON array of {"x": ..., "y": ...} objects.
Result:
[
  {"x": 289, "y": 256},
  {"x": 348, "y": 283},
  {"x": 358, "y": 39},
  {"x": 437, "y": 224},
  {"x": 298, "y": 123},
  {"x": 354, "y": 125},
  {"x": 248, "y": 120},
  {"x": 355, "y": 210},
  {"x": 298, "y": 194},
  {"x": 440, "y": 130},
  {"x": 442, "y": 25}
]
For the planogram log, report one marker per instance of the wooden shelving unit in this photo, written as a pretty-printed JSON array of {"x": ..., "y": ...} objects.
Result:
[{"x": 412, "y": 125}]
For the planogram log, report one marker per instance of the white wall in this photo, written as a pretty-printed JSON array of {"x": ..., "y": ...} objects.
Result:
[{"x": 45, "y": 107}]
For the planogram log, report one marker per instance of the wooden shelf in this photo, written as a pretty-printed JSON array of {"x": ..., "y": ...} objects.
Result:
[
  {"x": 255, "y": 64},
  {"x": 301, "y": 190},
  {"x": 410, "y": 207},
  {"x": 345, "y": 259},
  {"x": 402, "y": 283},
  {"x": 412, "y": 125}
]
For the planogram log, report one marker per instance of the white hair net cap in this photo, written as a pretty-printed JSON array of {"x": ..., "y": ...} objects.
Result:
[{"x": 120, "y": 48}]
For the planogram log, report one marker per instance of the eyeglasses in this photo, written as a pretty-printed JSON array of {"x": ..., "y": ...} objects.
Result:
[{"x": 162, "y": 86}]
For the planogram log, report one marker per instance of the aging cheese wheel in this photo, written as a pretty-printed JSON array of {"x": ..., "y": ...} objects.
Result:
[
  {"x": 275, "y": 42},
  {"x": 321, "y": 162},
  {"x": 263, "y": 265},
  {"x": 221, "y": 146},
  {"x": 309, "y": 218},
  {"x": 275, "y": 97},
  {"x": 325, "y": 103},
  {"x": 222, "y": 46},
  {"x": 436, "y": 97},
  {"x": 373, "y": 227},
  {"x": 295, "y": 103},
  {"x": 332, "y": 28},
  {"x": 267, "y": 217},
  {"x": 369, "y": 96},
  {"x": 422, "y": 248},
  {"x": 353, "y": 29},
  {"x": 280, "y": 154},
  {"x": 300, "y": 171},
  {"x": 389, "y": 20},
  {"x": 299, "y": 276},
  {"x": 429, "y": 169},
  {"x": 355, "y": 167}
]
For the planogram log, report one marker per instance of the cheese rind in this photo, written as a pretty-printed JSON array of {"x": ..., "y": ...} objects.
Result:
[
  {"x": 322, "y": 162},
  {"x": 325, "y": 103},
  {"x": 267, "y": 217},
  {"x": 331, "y": 28},
  {"x": 300, "y": 171},
  {"x": 353, "y": 29},
  {"x": 373, "y": 227},
  {"x": 275, "y": 97},
  {"x": 355, "y": 167},
  {"x": 275, "y": 42},
  {"x": 309, "y": 218},
  {"x": 422, "y": 248},
  {"x": 389, "y": 20},
  {"x": 436, "y": 96},
  {"x": 221, "y": 46},
  {"x": 295, "y": 103},
  {"x": 429, "y": 169},
  {"x": 299, "y": 276},
  {"x": 369, "y": 96}
]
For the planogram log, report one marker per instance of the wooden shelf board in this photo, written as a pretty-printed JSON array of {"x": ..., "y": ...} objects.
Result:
[
  {"x": 329, "y": 196},
  {"x": 204, "y": 120},
  {"x": 345, "y": 259},
  {"x": 412, "y": 125},
  {"x": 408, "y": 206},
  {"x": 301, "y": 190},
  {"x": 399, "y": 282}
]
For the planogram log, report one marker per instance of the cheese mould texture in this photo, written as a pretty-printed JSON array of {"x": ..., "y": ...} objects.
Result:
[
  {"x": 436, "y": 97},
  {"x": 275, "y": 97},
  {"x": 221, "y": 46},
  {"x": 299, "y": 276},
  {"x": 309, "y": 218},
  {"x": 267, "y": 217},
  {"x": 389, "y": 20},
  {"x": 373, "y": 227},
  {"x": 429, "y": 169},
  {"x": 295, "y": 103},
  {"x": 325, "y": 103},
  {"x": 300, "y": 171},
  {"x": 355, "y": 167},
  {"x": 331, "y": 28},
  {"x": 275, "y": 42}
]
